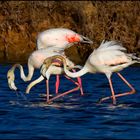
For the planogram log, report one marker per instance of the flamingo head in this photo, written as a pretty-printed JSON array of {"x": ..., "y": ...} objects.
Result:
[
  {"x": 77, "y": 38},
  {"x": 50, "y": 61},
  {"x": 11, "y": 78},
  {"x": 61, "y": 38}
]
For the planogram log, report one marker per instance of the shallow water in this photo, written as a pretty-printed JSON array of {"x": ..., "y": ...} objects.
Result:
[{"x": 73, "y": 116}]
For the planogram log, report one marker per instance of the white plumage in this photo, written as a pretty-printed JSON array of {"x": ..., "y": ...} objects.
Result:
[
  {"x": 50, "y": 42},
  {"x": 108, "y": 58},
  {"x": 48, "y": 68},
  {"x": 51, "y": 70},
  {"x": 59, "y": 38},
  {"x": 35, "y": 60}
]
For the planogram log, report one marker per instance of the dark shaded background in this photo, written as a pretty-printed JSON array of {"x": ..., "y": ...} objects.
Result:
[{"x": 21, "y": 21}]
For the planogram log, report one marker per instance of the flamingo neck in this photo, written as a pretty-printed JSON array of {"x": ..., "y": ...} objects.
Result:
[
  {"x": 22, "y": 74},
  {"x": 83, "y": 71},
  {"x": 34, "y": 83}
]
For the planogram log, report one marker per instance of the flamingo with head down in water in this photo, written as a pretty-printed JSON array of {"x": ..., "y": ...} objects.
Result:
[
  {"x": 53, "y": 66},
  {"x": 35, "y": 60}
]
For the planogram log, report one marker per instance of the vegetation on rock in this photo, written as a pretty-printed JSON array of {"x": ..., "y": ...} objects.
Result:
[{"x": 21, "y": 21}]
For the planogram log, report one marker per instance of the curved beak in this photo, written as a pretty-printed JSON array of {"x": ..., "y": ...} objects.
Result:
[{"x": 86, "y": 40}]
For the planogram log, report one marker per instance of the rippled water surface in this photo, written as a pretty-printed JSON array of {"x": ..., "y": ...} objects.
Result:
[{"x": 73, "y": 116}]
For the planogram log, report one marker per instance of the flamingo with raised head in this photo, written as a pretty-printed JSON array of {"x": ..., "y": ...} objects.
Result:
[
  {"x": 60, "y": 39},
  {"x": 108, "y": 58},
  {"x": 49, "y": 43}
]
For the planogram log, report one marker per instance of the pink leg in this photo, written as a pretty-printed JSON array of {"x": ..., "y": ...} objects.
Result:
[
  {"x": 80, "y": 83},
  {"x": 60, "y": 95},
  {"x": 112, "y": 91},
  {"x": 129, "y": 85},
  {"x": 71, "y": 80},
  {"x": 122, "y": 94},
  {"x": 76, "y": 83},
  {"x": 47, "y": 88},
  {"x": 57, "y": 84}
]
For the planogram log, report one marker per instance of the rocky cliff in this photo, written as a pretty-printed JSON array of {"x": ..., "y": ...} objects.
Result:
[{"x": 21, "y": 21}]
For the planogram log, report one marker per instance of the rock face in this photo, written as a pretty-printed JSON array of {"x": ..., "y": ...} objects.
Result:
[{"x": 21, "y": 21}]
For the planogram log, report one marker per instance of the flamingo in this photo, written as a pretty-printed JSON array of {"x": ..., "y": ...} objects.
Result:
[
  {"x": 59, "y": 39},
  {"x": 53, "y": 66},
  {"x": 109, "y": 57},
  {"x": 35, "y": 60}
]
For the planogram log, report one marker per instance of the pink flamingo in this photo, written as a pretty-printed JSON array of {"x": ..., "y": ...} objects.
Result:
[
  {"x": 108, "y": 58},
  {"x": 53, "y": 66},
  {"x": 58, "y": 39}
]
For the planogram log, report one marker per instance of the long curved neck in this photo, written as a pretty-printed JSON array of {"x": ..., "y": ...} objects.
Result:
[
  {"x": 83, "y": 71},
  {"x": 34, "y": 83},
  {"x": 22, "y": 74}
]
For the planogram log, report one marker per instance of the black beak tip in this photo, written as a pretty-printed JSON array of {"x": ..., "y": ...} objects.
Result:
[
  {"x": 91, "y": 42},
  {"x": 86, "y": 40}
]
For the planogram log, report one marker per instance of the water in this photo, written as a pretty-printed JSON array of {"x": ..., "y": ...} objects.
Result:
[{"x": 73, "y": 116}]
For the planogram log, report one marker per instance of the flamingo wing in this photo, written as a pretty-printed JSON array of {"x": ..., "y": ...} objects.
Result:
[{"x": 109, "y": 53}]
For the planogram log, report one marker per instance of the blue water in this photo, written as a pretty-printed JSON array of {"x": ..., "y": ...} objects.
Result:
[{"x": 73, "y": 116}]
